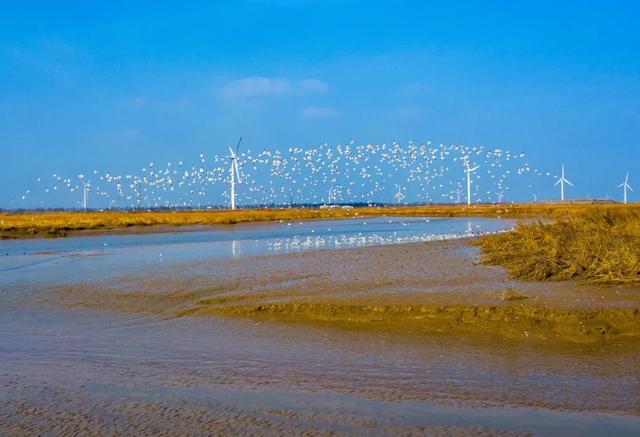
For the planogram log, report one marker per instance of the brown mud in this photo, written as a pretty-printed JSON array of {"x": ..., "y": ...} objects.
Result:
[
  {"x": 407, "y": 339},
  {"x": 422, "y": 288}
]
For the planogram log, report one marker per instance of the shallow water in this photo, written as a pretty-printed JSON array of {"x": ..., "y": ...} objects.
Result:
[{"x": 76, "y": 259}]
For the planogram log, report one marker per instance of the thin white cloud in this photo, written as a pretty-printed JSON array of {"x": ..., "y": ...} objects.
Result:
[
  {"x": 127, "y": 135},
  {"x": 412, "y": 90},
  {"x": 159, "y": 103},
  {"x": 313, "y": 86},
  {"x": 282, "y": 3},
  {"x": 408, "y": 112},
  {"x": 260, "y": 86},
  {"x": 51, "y": 57},
  {"x": 138, "y": 102},
  {"x": 317, "y": 112},
  {"x": 255, "y": 87}
]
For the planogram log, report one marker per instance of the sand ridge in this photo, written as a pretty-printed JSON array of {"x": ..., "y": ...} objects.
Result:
[{"x": 422, "y": 287}]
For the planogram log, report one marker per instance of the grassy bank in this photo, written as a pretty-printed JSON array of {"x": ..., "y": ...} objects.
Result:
[
  {"x": 513, "y": 315},
  {"x": 59, "y": 224},
  {"x": 506, "y": 318},
  {"x": 509, "y": 320},
  {"x": 600, "y": 245}
]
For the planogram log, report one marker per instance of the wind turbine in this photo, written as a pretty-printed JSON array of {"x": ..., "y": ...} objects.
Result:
[
  {"x": 562, "y": 181},
  {"x": 234, "y": 174},
  {"x": 86, "y": 186},
  {"x": 625, "y": 186},
  {"x": 399, "y": 196},
  {"x": 458, "y": 192},
  {"x": 330, "y": 194},
  {"x": 469, "y": 170}
]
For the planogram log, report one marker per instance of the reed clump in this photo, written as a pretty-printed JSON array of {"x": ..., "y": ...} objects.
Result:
[{"x": 594, "y": 245}]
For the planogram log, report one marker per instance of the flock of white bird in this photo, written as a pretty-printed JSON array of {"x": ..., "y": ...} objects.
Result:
[
  {"x": 349, "y": 173},
  {"x": 359, "y": 240}
]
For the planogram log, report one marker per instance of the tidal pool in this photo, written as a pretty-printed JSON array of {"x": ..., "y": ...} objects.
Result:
[{"x": 81, "y": 258}]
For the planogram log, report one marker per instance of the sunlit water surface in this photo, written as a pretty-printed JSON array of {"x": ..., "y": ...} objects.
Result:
[{"x": 68, "y": 260}]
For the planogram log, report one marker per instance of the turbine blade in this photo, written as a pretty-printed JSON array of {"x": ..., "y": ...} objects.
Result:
[
  {"x": 557, "y": 182},
  {"x": 567, "y": 181},
  {"x": 629, "y": 188},
  {"x": 238, "y": 146}
]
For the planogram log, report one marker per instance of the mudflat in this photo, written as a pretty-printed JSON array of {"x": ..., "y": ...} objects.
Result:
[
  {"x": 435, "y": 287},
  {"x": 413, "y": 339}
]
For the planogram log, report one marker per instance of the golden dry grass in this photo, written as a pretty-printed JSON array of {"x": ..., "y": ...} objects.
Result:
[
  {"x": 57, "y": 224},
  {"x": 600, "y": 245},
  {"x": 509, "y": 320}
]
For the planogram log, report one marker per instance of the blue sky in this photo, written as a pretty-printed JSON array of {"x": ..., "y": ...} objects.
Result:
[{"x": 113, "y": 85}]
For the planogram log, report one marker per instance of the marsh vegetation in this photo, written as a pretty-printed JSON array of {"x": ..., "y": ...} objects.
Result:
[
  {"x": 59, "y": 224},
  {"x": 599, "y": 245}
]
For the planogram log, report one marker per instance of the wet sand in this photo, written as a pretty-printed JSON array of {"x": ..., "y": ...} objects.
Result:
[
  {"x": 431, "y": 287},
  {"x": 187, "y": 350},
  {"x": 93, "y": 372}
]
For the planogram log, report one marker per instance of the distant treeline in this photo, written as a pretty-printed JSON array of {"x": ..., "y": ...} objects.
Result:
[
  {"x": 213, "y": 207},
  {"x": 299, "y": 205}
]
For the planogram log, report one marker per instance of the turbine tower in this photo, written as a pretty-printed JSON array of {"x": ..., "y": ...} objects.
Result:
[
  {"x": 86, "y": 186},
  {"x": 234, "y": 174},
  {"x": 469, "y": 170},
  {"x": 458, "y": 192},
  {"x": 562, "y": 181},
  {"x": 399, "y": 196},
  {"x": 625, "y": 186}
]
